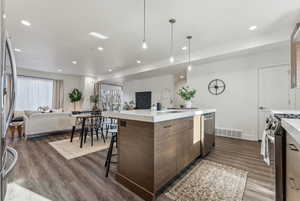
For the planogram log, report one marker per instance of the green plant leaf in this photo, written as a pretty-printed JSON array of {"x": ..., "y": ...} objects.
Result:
[{"x": 186, "y": 93}]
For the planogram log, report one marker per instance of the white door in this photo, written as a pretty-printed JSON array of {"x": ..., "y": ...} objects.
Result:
[{"x": 273, "y": 92}]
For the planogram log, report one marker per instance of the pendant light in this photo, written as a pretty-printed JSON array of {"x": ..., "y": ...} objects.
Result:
[
  {"x": 172, "y": 21},
  {"x": 144, "y": 45},
  {"x": 189, "y": 53}
]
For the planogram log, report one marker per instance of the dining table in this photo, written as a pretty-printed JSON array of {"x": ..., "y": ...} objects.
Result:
[{"x": 84, "y": 117}]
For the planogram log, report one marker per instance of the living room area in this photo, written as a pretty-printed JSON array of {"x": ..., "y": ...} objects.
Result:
[{"x": 43, "y": 103}]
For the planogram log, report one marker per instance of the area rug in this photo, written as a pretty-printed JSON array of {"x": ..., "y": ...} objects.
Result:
[
  {"x": 71, "y": 150},
  {"x": 16, "y": 192},
  {"x": 209, "y": 181}
]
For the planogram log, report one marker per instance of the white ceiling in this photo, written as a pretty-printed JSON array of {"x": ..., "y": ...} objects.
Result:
[{"x": 59, "y": 31}]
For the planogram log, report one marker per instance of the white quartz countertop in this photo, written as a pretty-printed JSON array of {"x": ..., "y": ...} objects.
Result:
[
  {"x": 285, "y": 111},
  {"x": 292, "y": 126},
  {"x": 157, "y": 116}
]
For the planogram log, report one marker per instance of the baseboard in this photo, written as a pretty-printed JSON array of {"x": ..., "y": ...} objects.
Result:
[
  {"x": 36, "y": 135},
  {"x": 244, "y": 136}
]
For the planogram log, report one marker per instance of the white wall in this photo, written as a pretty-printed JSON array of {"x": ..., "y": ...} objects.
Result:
[
  {"x": 87, "y": 87},
  {"x": 83, "y": 83},
  {"x": 237, "y": 106},
  {"x": 162, "y": 88}
]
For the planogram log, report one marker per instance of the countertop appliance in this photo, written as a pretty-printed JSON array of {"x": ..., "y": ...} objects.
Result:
[
  {"x": 208, "y": 138},
  {"x": 8, "y": 85}
]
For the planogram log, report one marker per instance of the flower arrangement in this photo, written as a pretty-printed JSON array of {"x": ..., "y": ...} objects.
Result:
[{"x": 186, "y": 93}]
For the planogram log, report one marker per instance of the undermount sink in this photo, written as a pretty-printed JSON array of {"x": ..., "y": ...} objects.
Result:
[{"x": 174, "y": 111}]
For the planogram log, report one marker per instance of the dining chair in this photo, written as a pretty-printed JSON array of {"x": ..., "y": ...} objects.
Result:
[{"x": 77, "y": 125}]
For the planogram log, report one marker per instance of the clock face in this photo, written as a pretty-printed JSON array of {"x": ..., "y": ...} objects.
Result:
[{"x": 216, "y": 87}]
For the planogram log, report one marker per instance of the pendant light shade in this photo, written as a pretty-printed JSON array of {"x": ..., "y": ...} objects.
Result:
[
  {"x": 172, "y": 22},
  {"x": 189, "y": 67},
  {"x": 144, "y": 45}
]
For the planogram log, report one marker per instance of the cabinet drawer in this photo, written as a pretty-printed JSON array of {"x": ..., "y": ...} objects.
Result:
[
  {"x": 164, "y": 130},
  {"x": 292, "y": 169},
  {"x": 183, "y": 124}
]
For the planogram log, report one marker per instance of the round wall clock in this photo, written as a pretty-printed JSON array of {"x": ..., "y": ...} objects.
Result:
[{"x": 216, "y": 87}]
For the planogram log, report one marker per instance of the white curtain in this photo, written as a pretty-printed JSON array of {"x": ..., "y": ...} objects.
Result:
[
  {"x": 58, "y": 94},
  {"x": 33, "y": 93}
]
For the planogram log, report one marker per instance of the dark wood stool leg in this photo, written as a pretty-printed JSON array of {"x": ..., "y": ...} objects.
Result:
[
  {"x": 106, "y": 131},
  {"x": 82, "y": 132},
  {"x": 110, "y": 151},
  {"x": 97, "y": 133},
  {"x": 107, "y": 155},
  {"x": 92, "y": 136},
  {"x": 102, "y": 136},
  {"x": 72, "y": 135},
  {"x": 20, "y": 131},
  {"x": 86, "y": 130}
]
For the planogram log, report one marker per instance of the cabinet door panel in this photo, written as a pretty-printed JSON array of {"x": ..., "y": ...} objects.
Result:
[
  {"x": 293, "y": 171},
  {"x": 166, "y": 161}
]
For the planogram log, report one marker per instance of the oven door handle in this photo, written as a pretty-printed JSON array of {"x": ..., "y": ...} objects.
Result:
[
  {"x": 15, "y": 156},
  {"x": 14, "y": 82}
]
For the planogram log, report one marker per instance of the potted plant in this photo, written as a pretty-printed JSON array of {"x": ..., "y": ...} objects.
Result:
[
  {"x": 75, "y": 96},
  {"x": 187, "y": 94},
  {"x": 95, "y": 100}
]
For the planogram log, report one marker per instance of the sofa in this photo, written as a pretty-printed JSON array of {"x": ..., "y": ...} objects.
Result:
[{"x": 36, "y": 123}]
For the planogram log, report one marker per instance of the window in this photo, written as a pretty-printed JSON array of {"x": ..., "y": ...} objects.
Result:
[{"x": 33, "y": 93}]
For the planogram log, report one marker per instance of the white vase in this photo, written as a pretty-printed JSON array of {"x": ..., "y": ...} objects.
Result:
[{"x": 188, "y": 104}]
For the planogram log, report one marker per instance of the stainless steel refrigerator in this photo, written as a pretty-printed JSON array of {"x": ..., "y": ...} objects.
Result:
[{"x": 9, "y": 156}]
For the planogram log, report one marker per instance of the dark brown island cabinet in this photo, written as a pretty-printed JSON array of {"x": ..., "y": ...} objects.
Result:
[{"x": 150, "y": 154}]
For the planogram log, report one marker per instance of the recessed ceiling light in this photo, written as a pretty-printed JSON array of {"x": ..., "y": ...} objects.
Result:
[
  {"x": 100, "y": 48},
  {"x": 26, "y": 23},
  {"x": 98, "y": 35},
  {"x": 189, "y": 68},
  {"x": 59, "y": 70},
  {"x": 184, "y": 48},
  {"x": 138, "y": 61},
  {"x": 252, "y": 28},
  {"x": 4, "y": 16},
  {"x": 109, "y": 70},
  {"x": 18, "y": 50},
  {"x": 74, "y": 62},
  {"x": 181, "y": 76},
  {"x": 171, "y": 59}
]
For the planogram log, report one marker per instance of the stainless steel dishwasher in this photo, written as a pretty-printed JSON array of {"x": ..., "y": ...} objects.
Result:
[{"x": 208, "y": 137}]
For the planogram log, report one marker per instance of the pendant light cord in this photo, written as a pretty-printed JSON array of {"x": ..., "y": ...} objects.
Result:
[
  {"x": 189, "y": 51},
  {"x": 144, "y": 21},
  {"x": 172, "y": 38}
]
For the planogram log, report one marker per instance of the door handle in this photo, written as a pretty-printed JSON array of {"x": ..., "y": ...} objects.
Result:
[
  {"x": 14, "y": 81},
  {"x": 14, "y": 153}
]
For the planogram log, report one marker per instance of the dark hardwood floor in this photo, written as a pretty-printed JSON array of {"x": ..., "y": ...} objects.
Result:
[{"x": 43, "y": 170}]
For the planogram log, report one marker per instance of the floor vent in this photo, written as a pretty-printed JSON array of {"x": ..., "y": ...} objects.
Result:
[{"x": 229, "y": 132}]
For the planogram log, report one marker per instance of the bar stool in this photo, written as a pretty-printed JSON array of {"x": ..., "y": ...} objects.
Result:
[{"x": 114, "y": 133}]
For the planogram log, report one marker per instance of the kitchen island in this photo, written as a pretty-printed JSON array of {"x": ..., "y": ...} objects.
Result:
[{"x": 155, "y": 146}]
